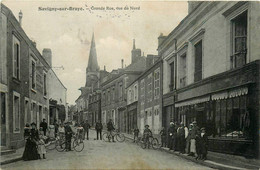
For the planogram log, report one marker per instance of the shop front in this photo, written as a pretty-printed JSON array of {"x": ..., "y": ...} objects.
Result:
[
  {"x": 131, "y": 117},
  {"x": 168, "y": 113},
  {"x": 227, "y": 105}
]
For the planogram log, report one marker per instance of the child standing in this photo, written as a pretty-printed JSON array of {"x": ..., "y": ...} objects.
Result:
[
  {"x": 163, "y": 134},
  {"x": 204, "y": 144},
  {"x": 136, "y": 134},
  {"x": 41, "y": 143}
]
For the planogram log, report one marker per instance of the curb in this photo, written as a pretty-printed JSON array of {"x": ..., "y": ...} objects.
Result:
[{"x": 11, "y": 161}]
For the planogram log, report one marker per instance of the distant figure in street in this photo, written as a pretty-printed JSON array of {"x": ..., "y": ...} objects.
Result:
[
  {"x": 31, "y": 136},
  {"x": 163, "y": 134},
  {"x": 68, "y": 136},
  {"x": 146, "y": 134},
  {"x": 40, "y": 144},
  {"x": 202, "y": 145},
  {"x": 44, "y": 126},
  {"x": 136, "y": 134},
  {"x": 171, "y": 135},
  {"x": 56, "y": 125},
  {"x": 110, "y": 129},
  {"x": 99, "y": 128},
  {"x": 86, "y": 127},
  {"x": 181, "y": 138},
  {"x": 193, "y": 134}
]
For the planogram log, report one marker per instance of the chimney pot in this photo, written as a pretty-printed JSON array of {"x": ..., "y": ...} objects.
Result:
[
  {"x": 122, "y": 63},
  {"x": 20, "y": 17}
]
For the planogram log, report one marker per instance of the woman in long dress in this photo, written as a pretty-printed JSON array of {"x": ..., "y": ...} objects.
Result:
[
  {"x": 30, "y": 152},
  {"x": 27, "y": 132}
]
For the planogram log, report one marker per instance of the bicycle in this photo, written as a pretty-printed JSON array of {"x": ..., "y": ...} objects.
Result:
[
  {"x": 150, "y": 142},
  {"x": 107, "y": 136},
  {"x": 50, "y": 143},
  {"x": 77, "y": 144}
]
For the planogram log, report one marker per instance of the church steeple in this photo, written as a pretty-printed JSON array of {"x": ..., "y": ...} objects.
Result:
[{"x": 92, "y": 60}]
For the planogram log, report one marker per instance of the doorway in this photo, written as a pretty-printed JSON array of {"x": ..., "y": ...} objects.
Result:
[{"x": 3, "y": 118}]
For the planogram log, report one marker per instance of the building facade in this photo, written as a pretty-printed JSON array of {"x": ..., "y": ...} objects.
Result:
[
  {"x": 211, "y": 74},
  {"x": 113, "y": 100},
  {"x": 24, "y": 89}
]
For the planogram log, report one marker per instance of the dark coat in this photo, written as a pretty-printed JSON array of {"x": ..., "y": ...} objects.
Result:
[
  {"x": 86, "y": 126},
  {"x": 44, "y": 125},
  {"x": 110, "y": 126},
  {"x": 99, "y": 126}
]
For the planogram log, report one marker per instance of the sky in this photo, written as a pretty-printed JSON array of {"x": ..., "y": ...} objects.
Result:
[{"x": 114, "y": 23}]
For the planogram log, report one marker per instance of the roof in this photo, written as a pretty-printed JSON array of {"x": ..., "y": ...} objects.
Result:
[{"x": 92, "y": 60}]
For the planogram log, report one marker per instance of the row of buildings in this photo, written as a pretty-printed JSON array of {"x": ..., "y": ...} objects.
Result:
[
  {"x": 29, "y": 88},
  {"x": 207, "y": 69}
]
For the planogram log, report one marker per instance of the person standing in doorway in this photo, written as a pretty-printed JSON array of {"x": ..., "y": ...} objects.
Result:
[
  {"x": 99, "y": 128},
  {"x": 44, "y": 126},
  {"x": 86, "y": 127}
]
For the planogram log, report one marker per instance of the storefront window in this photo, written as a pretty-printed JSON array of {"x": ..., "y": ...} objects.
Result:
[
  {"x": 223, "y": 116},
  {"x": 217, "y": 117}
]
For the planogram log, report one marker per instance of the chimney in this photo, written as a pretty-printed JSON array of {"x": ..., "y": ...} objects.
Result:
[
  {"x": 20, "y": 17},
  {"x": 122, "y": 63},
  {"x": 161, "y": 38},
  {"x": 133, "y": 44},
  {"x": 104, "y": 68},
  {"x": 47, "y": 55}
]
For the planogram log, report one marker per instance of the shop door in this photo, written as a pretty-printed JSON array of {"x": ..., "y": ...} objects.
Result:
[{"x": 3, "y": 118}]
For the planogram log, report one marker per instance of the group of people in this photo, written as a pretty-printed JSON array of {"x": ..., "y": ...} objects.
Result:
[
  {"x": 191, "y": 140},
  {"x": 34, "y": 141}
]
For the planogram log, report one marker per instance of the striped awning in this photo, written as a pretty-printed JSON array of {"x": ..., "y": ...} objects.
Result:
[
  {"x": 230, "y": 94},
  {"x": 193, "y": 101}
]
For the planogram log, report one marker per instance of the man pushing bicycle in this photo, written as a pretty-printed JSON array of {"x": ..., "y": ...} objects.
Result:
[
  {"x": 147, "y": 133},
  {"x": 110, "y": 129}
]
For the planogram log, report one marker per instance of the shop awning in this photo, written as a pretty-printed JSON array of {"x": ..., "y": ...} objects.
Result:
[
  {"x": 229, "y": 94},
  {"x": 193, "y": 101}
]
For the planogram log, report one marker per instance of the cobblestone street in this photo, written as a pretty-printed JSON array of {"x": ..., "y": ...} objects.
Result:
[{"x": 100, "y": 155}]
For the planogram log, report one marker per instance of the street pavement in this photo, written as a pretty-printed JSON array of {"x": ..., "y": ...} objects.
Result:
[{"x": 104, "y": 155}]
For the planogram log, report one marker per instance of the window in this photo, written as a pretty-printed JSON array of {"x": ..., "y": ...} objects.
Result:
[
  {"x": 149, "y": 87},
  {"x": 113, "y": 94},
  {"x": 172, "y": 71},
  {"x": 104, "y": 98},
  {"x": 108, "y": 97},
  {"x": 182, "y": 71},
  {"x": 142, "y": 95},
  {"x": 239, "y": 40},
  {"x": 157, "y": 83},
  {"x": 26, "y": 111},
  {"x": 16, "y": 58},
  {"x": 16, "y": 112},
  {"x": 135, "y": 93},
  {"x": 120, "y": 91},
  {"x": 198, "y": 61},
  {"x": 44, "y": 84},
  {"x": 129, "y": 95},
  {"x": 3, "y": 107},
  {"x": 33, "y": 74}
]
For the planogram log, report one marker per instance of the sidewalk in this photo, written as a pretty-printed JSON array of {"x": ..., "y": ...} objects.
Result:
[
  {"x": 216, "y": 160},
  {"x": 10, "y": 158}
]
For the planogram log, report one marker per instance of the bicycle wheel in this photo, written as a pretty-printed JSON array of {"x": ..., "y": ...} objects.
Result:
[
  {"x": 105, "y": 137},
  {"x": 51, "y": 144},
  {"x": 120, "y": 137},
  {"x": 60, "y": 145},
  {"x": 155, "y": 143},
  {"x": 143, "y": 144},
  {"x": 78, "y": 145}
]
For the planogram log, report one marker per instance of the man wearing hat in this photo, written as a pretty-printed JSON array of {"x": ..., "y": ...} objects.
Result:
[
  {"x": 147, "y": 133},
  {"x": 181, "y": 138},
  {"x": 110, "y": 129},
  {"x": 68, "y": 136},
  {"x": 44, "y": 126}
]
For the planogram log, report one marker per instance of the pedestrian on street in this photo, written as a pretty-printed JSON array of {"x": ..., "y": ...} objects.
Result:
[
  {"x": 202, "y": 145},
  {"x": 99, "y": 128},
  {"x": 181, "y": 138},
  {"x": 146, "y": 134},
  {"x": 68, "y": 136},
  {"x": 44, "y": 126},
  {"x": 163, "y": 134},
  {"x": 171, "y": 135},
  {"x": 51, "y": 131},
  {"x": 61, "y": 131},
  {"x": 56, "y": 127},
  {"x": 32, "y": 136},
  {"x": 193, "y": 134},
  {"x": 86, "y": 127},
  {"x": 136, "y": 134},
  {"x": 40, "y": 144},
  {"x": 110, "y": 129}
]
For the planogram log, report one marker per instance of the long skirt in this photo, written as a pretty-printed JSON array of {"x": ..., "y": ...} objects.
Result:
[
  {"x": 193, "y": 145},
  {"x": 30, "y": 151},
  {"x": 41, "y": 149}
]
